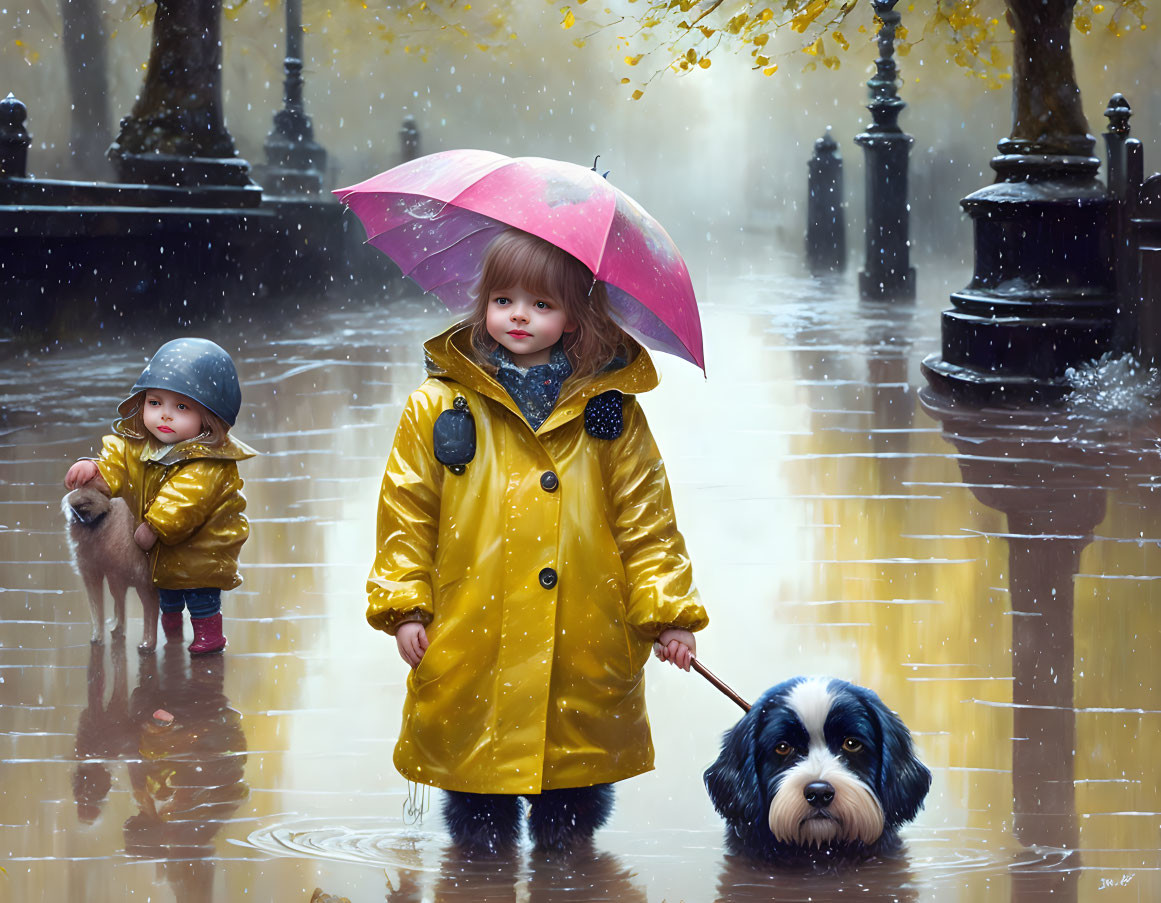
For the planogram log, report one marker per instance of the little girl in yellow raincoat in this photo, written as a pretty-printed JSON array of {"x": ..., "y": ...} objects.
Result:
[
  {"x": 528, "y": 557},
  {"x": 173, "y": 460}
]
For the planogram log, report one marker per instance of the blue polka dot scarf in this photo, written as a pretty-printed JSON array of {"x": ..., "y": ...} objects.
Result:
[{"x": 536, "y": 389}]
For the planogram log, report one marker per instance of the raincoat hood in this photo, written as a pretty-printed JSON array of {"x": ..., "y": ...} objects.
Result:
[{"x": 449, "y": 356}]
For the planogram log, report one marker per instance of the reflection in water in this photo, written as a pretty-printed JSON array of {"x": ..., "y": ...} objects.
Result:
[
  {"x": 106, "y": 731},
  {"x": 186, "y": 773},
  {"x": 586, "y": 874},
  {"x": 1050, "y": 479},
  {"x": 189, "y": 778},
  {"x": 891, "y": 395},
  {"x": 880, "y": 881},
  {"x": 486, "y": 881}
]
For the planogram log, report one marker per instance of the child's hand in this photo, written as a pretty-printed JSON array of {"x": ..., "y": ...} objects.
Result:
[
  {"x": 411, "y": 639},
  {"x": 676, "y": 646},
  {"x": 81, "y": 473},
  {"x": 144, "y": 536}
]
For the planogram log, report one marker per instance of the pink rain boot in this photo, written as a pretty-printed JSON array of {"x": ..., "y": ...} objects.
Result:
[
  {"x": 171, "y": 623},
  {"x": 207, "y": 635}
]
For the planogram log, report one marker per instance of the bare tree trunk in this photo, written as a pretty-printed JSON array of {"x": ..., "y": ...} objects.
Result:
[
  {"x": 83, "y": 36},
  {"x": 1047, "y": 116}
]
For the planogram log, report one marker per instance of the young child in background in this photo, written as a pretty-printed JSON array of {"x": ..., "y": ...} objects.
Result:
[
  {"x": 528, "y": 557},
  {"x": 171, "y": 457}
]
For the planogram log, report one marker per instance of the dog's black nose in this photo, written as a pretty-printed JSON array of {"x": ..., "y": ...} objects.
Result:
[{"x": 819, "y": 794}]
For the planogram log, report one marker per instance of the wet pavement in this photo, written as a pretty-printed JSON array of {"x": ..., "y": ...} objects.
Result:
[{"x": 994, "y": 578}]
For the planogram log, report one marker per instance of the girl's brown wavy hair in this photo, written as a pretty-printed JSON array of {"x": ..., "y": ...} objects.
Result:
[{"x": 517, "y": 258}]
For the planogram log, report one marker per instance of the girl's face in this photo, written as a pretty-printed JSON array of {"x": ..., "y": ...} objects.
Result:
[
  {"x": 527, "y": 324},
  {"x": 171, "y": 417}
]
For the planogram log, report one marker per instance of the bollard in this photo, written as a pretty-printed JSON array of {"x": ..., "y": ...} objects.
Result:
[
  {"x": 1118, "y": 112},
  {"x": 14, "y": 139},
  {"x": 409, "y": 139},
  {"x": 1118, "y": 142},
  {"x": 887, "y": 272},
  {"x": 826, "y": 238}
]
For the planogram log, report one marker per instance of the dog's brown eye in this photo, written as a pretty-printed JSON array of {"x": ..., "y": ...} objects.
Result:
[
  {"x": 783, "y": 748},
  {"x": 850, "y": 744}
]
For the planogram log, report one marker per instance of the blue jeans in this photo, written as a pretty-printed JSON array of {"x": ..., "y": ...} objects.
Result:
[{"x": 202, "y": 603}]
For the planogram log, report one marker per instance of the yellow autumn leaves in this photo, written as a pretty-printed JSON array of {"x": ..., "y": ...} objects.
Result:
[
  {"x": 658, "y": 37},
  {"x": 681, "y": 35},
  {"x": 806, "y": 18}
]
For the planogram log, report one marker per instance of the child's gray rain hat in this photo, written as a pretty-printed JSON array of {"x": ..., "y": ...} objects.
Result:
[{"x": 197, "y": 368}]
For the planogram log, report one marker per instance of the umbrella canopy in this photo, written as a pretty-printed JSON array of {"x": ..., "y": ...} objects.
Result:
[{"x": 435, "y": 217}]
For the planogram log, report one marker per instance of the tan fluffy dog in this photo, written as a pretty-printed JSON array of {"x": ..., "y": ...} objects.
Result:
[{"x": 100, "y": 535}]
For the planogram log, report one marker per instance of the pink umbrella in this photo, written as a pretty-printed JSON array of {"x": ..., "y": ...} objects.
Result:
[{"x": 435, "y": 217}]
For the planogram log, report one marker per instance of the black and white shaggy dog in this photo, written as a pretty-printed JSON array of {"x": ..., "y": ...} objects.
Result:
[{"x": 819, "y": 772}]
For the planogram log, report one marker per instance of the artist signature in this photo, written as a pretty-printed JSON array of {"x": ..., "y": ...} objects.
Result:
[{"x": 1123, "y": 881}]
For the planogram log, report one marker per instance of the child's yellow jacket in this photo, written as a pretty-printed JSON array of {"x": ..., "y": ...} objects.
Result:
[
  {"x": 543, "y": 573},
  {"x": 191, "y": 495}
]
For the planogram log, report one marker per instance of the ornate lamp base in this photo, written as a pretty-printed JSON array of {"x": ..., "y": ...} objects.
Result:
[{"x": 1043, "y": 296}]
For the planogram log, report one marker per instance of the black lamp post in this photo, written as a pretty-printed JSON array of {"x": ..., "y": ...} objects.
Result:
[
  {"x": 887, "y": 272},
  {"x": 1043, "y": 295},
  {"x": 294, "y": 160}
]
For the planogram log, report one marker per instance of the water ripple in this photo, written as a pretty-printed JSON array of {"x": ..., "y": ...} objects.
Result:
[
  {"x": 932, "y": 860},
  {"x": 385, "y": 843}
]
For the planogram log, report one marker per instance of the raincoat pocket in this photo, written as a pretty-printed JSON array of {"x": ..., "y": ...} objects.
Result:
[
  {"x": 637, "y": 651},
  {"x": 424, "y": 674}
]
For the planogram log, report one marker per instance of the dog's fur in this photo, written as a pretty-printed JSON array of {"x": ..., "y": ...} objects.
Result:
[
  {"x": 100, "y": 534},
  {"x": 818, "y": 773}
]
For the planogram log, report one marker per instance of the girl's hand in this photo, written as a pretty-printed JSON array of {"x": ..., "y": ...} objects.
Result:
[
  {"x": 677, "y": 647},
  {"x": 411, "y": 639},
  {"x": 144, "y": 536},
  {"x": 81, "y": 473}
]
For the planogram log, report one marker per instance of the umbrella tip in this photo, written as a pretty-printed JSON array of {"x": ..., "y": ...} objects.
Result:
[{"x": 604, "y": 174}]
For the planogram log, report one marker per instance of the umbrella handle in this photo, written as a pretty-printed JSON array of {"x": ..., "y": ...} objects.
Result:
[{"x": 715, "y": 680}]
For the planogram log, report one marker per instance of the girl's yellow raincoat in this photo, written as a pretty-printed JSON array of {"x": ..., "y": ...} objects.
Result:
[
  {"x": 543, "y": 573},
  {"x": 190, "y": 493}
]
